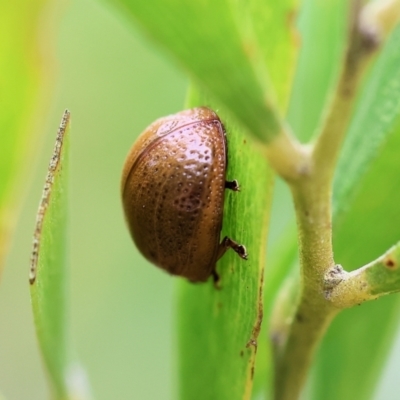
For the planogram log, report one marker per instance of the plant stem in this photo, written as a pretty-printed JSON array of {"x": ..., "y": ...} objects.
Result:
[
  {"x": 288, "y": 157},
  {"x": 362, "y": 45},
  {"x": 314, "y": 312},
  {"x": 311, "y": 191}
]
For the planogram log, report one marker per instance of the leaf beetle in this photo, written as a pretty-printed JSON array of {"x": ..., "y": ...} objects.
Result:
[{"x": 173, "y": 185}]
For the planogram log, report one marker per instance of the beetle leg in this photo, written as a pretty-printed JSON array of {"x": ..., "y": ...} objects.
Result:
[
  {"x": 228, "y": 243},
  {"x": 232, "y": 185},
  {"x": 215, "y": 278}
]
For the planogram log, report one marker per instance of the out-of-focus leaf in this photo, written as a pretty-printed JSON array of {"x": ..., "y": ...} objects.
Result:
[
  {"x": 230, "y": 49},
  {"x": 48, "y": 275},
  {"x": 218, "y": 328},
  {"x": 323, "y": 28},
  {"x": 20, "y": 61},
  {"x": 377, "y": 110}
]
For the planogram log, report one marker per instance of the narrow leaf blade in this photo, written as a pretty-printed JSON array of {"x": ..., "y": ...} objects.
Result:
[
  {"x": 218, "y": 329},
  {"x": 48, "y": 273},
  {"x": 377, "y": 110}
]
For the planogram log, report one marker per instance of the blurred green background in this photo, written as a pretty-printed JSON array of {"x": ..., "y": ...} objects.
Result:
[{"x": 115, "y": 82}]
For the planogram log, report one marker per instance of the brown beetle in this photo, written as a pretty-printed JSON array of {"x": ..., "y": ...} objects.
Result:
[{"x": 173, "y": 186}]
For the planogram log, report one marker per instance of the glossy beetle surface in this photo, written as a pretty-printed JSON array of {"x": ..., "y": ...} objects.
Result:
[{"x": 173, "y": 185}]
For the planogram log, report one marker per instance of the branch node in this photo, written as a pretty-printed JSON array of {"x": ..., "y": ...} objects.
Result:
[
  {"x": 380, "y": 17},
  {"x": 334, "y": 276}
]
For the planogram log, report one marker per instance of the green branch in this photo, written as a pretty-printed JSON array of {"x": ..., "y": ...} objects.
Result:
[
  {"x": 376, "y": 279},
  {"x": 363, "y": 42},
  {"x": 312, "y": 190},
  {"x": 289, "y": 158}
]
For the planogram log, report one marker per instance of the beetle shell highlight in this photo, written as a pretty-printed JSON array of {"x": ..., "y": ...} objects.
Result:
[{"x": 173, "y": 187}]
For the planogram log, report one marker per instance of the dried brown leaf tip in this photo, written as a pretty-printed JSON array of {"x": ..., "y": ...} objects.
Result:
[{"x": 46, "y": 194}]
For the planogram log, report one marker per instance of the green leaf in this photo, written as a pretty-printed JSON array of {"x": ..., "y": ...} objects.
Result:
[
  {"x": 218, "y": 328},
  {"x": 230, "y": 49},
  {"x": 19, "y": 87},
  {"x": 377, "y": 110},
  {"x": 48, "y": 273}
]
